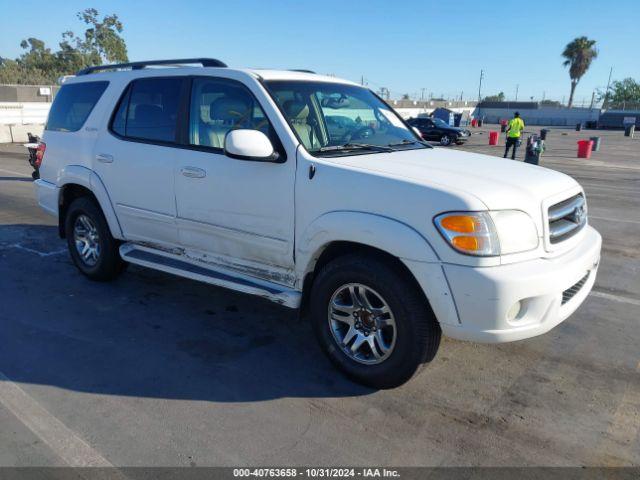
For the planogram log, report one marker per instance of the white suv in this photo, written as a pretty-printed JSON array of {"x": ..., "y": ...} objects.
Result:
[{"x": 312, "y": 192}]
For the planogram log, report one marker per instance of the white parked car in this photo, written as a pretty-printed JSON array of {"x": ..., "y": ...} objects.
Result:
[{"x": 233, "y": 177}]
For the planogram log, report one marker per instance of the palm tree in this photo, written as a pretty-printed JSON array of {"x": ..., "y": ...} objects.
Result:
[{"x": 579, "y": 54}]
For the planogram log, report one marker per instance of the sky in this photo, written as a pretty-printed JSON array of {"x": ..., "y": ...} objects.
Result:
[{"x": 421, "y": 47}]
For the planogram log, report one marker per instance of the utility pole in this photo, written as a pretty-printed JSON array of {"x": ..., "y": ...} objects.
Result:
[
  {"x": 461, "y": 94},
  {"x": 593, "y": 99},
  {"x": 480, "y": 86},
  {"x": 543, "y": 95},
  {"x": 422, "y": 93},
  {"x": 606, "y": 93},
  {"x": 362, "y": 80},
  {"x": 517, "y": 87}
]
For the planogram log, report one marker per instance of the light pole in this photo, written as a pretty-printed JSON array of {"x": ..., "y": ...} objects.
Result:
[
  {"x": 480, "y": 86},
  {"x": 606, "y": 92}
]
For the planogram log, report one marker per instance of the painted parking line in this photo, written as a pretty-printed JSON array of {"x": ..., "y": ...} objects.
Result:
[
  {"x": 37, "y": 252},
  {"x": 71, "y": 449},
  {"x": 609, "y": 187},
  {"x": 13, "y": 172},
  {"x": 617, "y": 220},
  {"x": 615, "y": 298}
]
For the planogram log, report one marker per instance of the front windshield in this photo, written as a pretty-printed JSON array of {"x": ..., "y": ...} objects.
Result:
[{"x": 336, "y": 118}]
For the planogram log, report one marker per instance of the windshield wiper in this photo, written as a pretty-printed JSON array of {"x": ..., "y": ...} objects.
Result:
[
  {"x": 409, "y": 142},
  {"x": 355, "y": 146}
]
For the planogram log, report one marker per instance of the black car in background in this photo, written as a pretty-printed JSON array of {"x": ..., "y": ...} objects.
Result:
[{"x": 436, "y": 130}]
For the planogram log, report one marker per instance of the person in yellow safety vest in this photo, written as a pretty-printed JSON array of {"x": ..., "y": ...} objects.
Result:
[{"x": 514, "y": 130}]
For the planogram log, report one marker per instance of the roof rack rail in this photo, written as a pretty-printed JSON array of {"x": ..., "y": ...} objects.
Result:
[
  {"x": 301, "y": 70},
  {"x": 205, "y": 62}
]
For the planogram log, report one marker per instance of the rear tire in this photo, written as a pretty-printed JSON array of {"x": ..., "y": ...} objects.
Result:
[
  {"x": 416, "y": 335},
  {"x": 93, "y": 249}
]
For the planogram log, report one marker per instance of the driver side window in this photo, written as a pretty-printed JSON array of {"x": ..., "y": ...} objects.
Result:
[{"x": 220, "y": 105}]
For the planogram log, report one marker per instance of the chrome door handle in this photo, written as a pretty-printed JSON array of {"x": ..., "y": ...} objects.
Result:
[
  {"x": 193, "y": 172},
  {"x": 104, "y": 158}
]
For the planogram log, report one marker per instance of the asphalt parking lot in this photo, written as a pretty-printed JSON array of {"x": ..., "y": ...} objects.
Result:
[{"x": 157, "y": 370}]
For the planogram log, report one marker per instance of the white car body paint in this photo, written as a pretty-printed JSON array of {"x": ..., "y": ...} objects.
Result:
[{"x": 268, "y": 223}]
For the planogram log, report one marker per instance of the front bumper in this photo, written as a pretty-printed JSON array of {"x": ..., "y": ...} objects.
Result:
[
  {"x": 484, "y": 295},
  {"x": 464, "y": 137}
]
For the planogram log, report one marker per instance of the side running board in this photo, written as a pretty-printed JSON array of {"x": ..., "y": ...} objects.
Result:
[{"x": 177, "y": 265}]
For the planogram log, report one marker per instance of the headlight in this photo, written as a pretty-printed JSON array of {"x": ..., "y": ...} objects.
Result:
[{"x": 488, "y": 233}]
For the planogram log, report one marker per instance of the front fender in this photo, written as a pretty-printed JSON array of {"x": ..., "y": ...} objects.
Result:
[
  {"x": 384, "y": 233},
  {"x": 389, "y": 235},
  {"x": 87, "y": 178}
]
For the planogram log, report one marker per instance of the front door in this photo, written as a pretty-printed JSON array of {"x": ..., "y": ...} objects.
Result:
[
  {"x": 430, "y": 130},
  {"x": 237, "y": 213}
]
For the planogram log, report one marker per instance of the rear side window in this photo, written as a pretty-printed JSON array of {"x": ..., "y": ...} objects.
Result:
[
  {"x": 149, "y": 110},
  {"x": 73, "y": 104}
]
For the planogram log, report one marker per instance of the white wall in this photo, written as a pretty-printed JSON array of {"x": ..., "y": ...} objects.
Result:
[
  {"x": 18, "y": 133},
  {"x": 23, "y": 113},
  {"x": 552, "y": 116},
  {"x": 19, "y": 118},
  {"x": 414, "y": 112}
]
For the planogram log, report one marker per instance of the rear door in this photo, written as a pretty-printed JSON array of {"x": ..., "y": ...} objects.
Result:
[{"x": 136, "y": 158}]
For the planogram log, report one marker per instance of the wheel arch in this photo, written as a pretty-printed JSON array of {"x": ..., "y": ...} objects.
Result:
[
  {"x": 76, "y": 181},
  {"x": 369, "y": 229},
  {"x": 339, "y": 233}
]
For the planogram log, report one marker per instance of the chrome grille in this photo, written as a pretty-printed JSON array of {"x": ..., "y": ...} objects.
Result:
[
  {"x": 569, "y": 293},
  {"x": 567, "y": 218}
]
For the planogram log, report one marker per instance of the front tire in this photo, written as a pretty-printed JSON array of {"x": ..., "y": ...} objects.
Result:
[
  {"x": 372, "y": 320},
  {"x": 446, "y": 140},
  {"x": 93, "y": 250}
]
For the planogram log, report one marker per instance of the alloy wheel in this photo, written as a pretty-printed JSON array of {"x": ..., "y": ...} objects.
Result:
[
  {"x": 362, "y": 323},
  {"x": 86, "y": 240}
]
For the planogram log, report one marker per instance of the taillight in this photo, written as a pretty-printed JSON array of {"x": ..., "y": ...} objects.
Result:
[{"x": 40, "y": 153}]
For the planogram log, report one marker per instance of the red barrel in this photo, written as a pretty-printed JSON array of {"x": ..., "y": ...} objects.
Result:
[
  {"x": 584, "y": 148},
  {"x": 493, "y": 138},
  {"x": 474, "y": 122}
]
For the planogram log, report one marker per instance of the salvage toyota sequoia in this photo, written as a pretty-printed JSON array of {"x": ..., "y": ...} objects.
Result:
[{"x": 312, "y": 192}]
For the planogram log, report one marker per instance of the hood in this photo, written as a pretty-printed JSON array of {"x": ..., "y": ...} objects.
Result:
[{"x": 498, "y": 183}]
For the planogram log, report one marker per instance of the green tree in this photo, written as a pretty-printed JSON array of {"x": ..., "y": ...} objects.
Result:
[
  {"x": 550, "y": 103},
  {"x": 494, "y": 98},
  {"x": 101, "y": 43},
  {"x": 625, "y": 91},
  {"x": 579, "y": 53}
]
